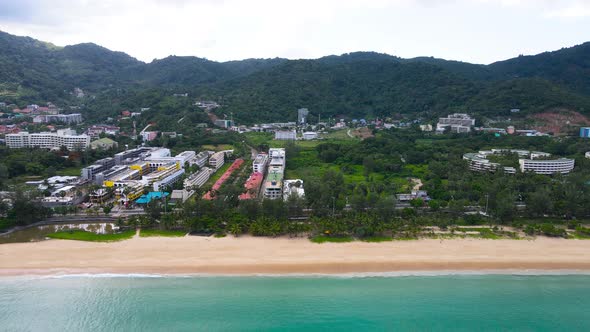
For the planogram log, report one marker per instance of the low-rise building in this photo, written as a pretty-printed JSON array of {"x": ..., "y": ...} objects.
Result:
[
  {"x": 310, "y": 135},
  {"x": 198, "y": 179},
  {"x": 181, "y": 195},
  {"x": 286, "y": 135},
  {"x": 217, "y": 160},
  {"x": 200, "y": 159}
]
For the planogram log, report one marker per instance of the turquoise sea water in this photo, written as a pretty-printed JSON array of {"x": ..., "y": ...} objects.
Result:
[{"x": 411, "y": 303}]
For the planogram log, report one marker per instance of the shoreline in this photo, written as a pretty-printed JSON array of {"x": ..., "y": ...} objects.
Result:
[{"x": 249, "y": 256}]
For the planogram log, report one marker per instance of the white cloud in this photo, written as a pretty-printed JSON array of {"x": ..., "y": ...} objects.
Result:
[{"x": 472, "y": 30}]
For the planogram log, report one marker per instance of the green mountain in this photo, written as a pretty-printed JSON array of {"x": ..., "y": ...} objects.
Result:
[{"x": 361, "y": 84}]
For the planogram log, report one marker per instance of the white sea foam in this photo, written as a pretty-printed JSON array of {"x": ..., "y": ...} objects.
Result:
[{"x": 397, "y": 274}]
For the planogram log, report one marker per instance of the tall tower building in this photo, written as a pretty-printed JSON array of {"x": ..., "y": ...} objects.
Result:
[{"x": 302, "y": 116}]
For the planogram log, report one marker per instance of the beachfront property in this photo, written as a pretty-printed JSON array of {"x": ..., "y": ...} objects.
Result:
[
  {"x": 198, "y": 179},
  {"x": 48, "y": 140},
  {"x": 293, "y": 188},
  {"x": 260, "y": 163},
  {"x": 286, "y": 135},
  {"x": 455, "y": 123},
  {"x": 217, "y": 160},
  {"x": 273, "y": 186},
  {"x": 529, "y": 161}
]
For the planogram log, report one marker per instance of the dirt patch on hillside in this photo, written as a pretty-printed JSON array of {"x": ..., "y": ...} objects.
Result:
[
  {"x": 363, "y": 133},
  {"x": 560, "y": 122}
]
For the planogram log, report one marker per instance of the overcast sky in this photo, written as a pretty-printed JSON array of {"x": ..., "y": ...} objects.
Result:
[{"x": 479, "y": 31}]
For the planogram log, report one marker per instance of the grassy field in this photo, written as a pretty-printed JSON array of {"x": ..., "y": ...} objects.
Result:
[
  {"x": 92, "y": 237},
  {"x": 219, "y": 147},
  {"x": 72, "y": 171},
  {"x": 161, "y": 233},
  {"x": 216, "y": 176}
]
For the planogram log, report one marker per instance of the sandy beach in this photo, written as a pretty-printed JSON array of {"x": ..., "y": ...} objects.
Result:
[{"x": 248, "y": 255}]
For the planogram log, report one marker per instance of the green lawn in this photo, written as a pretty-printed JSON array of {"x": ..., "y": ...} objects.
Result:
[
  {"x": 162, "y": 233},
  {"x": 79, "y": 235}
]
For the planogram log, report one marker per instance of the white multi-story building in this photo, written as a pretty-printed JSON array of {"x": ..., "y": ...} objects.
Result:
[
  {"x": 168, "y": 181},
  {"x": 277, "y": 157},
  {"x": 73, "y": 118},
  {"x": 548, "y": 167},
  {"x": 286, "y": 135},
  {"x": 200, "y": 159},
  {"x": 457, "y": 123},
  {"x": 273, "y": 186},
  {"x": 217, "y": 160},
  {"x": 259, "y": 164},
  {"x": 529, "y": 161},
  {"x": 196, "y": 180},
  {"x": 48, "y": 140}
]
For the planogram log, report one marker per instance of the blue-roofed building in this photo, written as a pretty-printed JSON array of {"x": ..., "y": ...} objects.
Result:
[
  {"x": 585, "y": 132},
  {"x": 152, "y": 195}
]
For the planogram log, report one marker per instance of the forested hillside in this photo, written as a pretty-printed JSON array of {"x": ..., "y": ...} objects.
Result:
[{"x": 362, "y": 84}]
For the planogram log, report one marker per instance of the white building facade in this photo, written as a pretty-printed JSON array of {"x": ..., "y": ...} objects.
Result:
[{"x": 48, "y": 140}]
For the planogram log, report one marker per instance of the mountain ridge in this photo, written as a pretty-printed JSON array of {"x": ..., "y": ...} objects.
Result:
[{"x": 356, "y": 83}]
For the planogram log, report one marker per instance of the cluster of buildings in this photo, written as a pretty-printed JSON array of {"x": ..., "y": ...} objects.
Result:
[
  {"x": 267, "y": 178},
  {"x": 128, "y": 174},
  {"x": 456, "y": 123},
  {"x": 529, "y": 161},
  {"x": 62, "y": 190},
  {"x": 95, "y": 130},
  {"x": 48, "y": 140}
]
